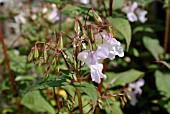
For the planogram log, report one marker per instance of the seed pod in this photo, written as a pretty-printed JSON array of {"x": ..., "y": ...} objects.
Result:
[
  {"x": 124, "y": 98},
  {"x": 54, "y": 61},
  {"x": 46, "y": 76},
  {"x": 45, "y": 53},
  {"x": 77, "y": 27},
  {"x": 60, "y": 42},
  {"x": 111, "y": 30},
  {"x": 30, "y": 56},
  {"x": 36, "y": 53},
  {"x": 91, "y": 33},
  {"x": 40, "y": 62},
  {"x": 128, "y": 96},
  {"x": 97, "y": 17}
]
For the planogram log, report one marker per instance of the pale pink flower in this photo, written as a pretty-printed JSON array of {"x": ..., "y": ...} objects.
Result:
[
  {"x": 129, "y": 10},
  {"x": 53, "y": 16},
  {"x": 141, "y": 15},
  {"x": 20, "y": 18},
  {"x": 91, "y": 58},
  {"x": 111, "y": 47},
  {"x": 135, "y": 89},
  {"x": 96, "y": 72}
]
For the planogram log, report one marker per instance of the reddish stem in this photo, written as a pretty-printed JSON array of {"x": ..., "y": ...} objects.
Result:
[
  {"x": 110, "y": 7},
  {"x": 167, "y": 28},
  {"x": 13, "y": 83},
  {"x": 104, "y": 70}
]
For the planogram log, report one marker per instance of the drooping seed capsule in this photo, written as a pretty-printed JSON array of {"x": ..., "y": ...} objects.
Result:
[
  {"x": 30, "y": 56},
  {"x": 97, "y": 17},
  {"x": 77, "y": 27},
  {"x": 91, "y": 33},
  {"x": 36, "y": 53},
  {"x": 60, "y": 41},
  {"x": 111, "y": 31},
  {"x": 45, "y": 53},
  {"x": 46, "y": 76},
  {"x": 124, "y": 98},
  {"x": 40, "y": 62},
  {"x": 54, "y": 61}
]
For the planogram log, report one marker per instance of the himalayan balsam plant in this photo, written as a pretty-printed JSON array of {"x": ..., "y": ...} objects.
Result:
[{"x": 91, "y": 44}]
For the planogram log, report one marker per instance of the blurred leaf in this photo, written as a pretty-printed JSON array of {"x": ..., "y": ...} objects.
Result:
[
  {"x": 116, "y": 79},
  {"x": 123, "y": 26},
  {"x": 118, "y": 4},
  {"x": 17, "y": 61},
  {"x": 153, "y": 46},
  {"x": 52, "y": 81},
  {"x": 54, "y": 1},
  {"x": 69, "y": 10},
  {"x": 144, "y": 1},
  {"x": 143, "y": 29},
  {"x": 162, "y": 83},
  {"x": 90, "y": 90},
  {"x": 35, "y": 102},
  {"x": 115, "y": 108}
]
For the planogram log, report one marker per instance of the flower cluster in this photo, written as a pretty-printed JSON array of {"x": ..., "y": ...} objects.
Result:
[
  {"x": 134, "y": 13},
  {"x": 108, "y": 49}
]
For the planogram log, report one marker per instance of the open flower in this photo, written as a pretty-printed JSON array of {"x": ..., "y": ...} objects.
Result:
[
  {"x": 135, "y": 13},
  {"x": 111, "y": 47},
  {"x": 141, "y": 15},
  {"x": 129, "y": 10},
  {"x": 87, "y": 57},
  {"x": 53, "y": 16},
  {"x": 108, "y": 47},
  {"x": 91, "y": 58},
  {"x": 135, "y": 89}
]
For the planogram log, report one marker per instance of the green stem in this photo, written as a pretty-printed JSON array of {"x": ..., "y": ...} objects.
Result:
[
  {"x": 79, "y": 94},
  {"x": 56, "y": 97}
]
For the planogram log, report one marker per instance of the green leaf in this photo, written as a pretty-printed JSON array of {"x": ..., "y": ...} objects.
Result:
[
  {"x": 54, "y": 1},
  {"x": 162, "y": 83},
  {"x": 153, "y": 47},
  {"x": 143, "y": 29},
  {"x": 90, "y": 90},
  {"x": 52, "y": 81},
  {"x": 35, "y": 102},
  {"x": 115, "y": 108},
  {"x": 69, "y": 10},
  {"x": 118, "y": 4},
  {"x": 123, "y": 78},
  {"x": 123, "y": 26}
]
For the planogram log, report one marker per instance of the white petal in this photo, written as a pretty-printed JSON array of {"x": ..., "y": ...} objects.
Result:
[
  {"x": 131, "y": 17},
  {"x": 96, "y": 72},
  {"x": 134, "y": 6}
]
